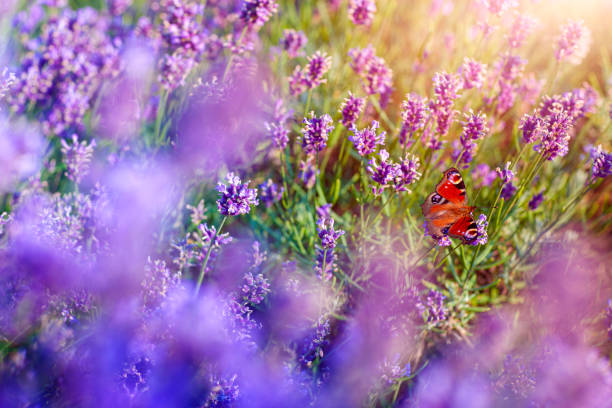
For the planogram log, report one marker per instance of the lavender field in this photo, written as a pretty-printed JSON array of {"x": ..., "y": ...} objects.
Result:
[{"x": 326, "y": 203}]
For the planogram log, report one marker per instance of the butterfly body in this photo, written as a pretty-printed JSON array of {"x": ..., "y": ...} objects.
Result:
[{"x": 446, "y": 211}]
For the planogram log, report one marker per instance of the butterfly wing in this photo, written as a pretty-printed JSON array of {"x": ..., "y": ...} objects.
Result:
[
  {"x": 464, "y": 228},
  {"x": 445, "y": 210}
]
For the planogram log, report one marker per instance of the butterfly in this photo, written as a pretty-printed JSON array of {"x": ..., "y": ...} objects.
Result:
[{"x": 446, "y": 212}]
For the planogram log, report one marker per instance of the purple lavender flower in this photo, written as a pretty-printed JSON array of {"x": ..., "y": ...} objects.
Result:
[
  {"x": 433, "y": 307},
  {"x": 224, "y": 392},
  {"x": 536, "y": 200},
  {"x": 318, "y": 65},
  {"x": 308, "y": 173},
  {"x": 510, "y": 67},
  {"x": 474, "y": 128},
  {"x": 506, "y": 174},
  {"x": 255, "y": 13},
  {"x": 315, "y": 133},
  {"x": 521, "y": 27},
  {"x": 484, "y": 174},
  {"x": 602, "y": 162},
  {"x": 361, "y": 12},
  {"x": 382, "y": 173},
  {"x": 555, "y": 133},
  {"x": 324, "y": 211},
  {"x": 269, "y": 192},
  {"x": 361, "y": 58},
  {"x": 351, "y": 109},
  {"x": 446, "y": 88},
  {"x": 158, "y": 282},
  {"x": 297, "y": 81},
  {"x": 392, "y": 370},
  {"x": 118, "y": 7},
  {"x": 293, "y": 42},
  {"x": 312, "y": 346},
  {"x": 508, "y": 190},
  {"x": 77, "y": 157},
  {"x": 20, "y": 152},
  {"x": 473, "y": 73},
  {"x": 573, "y": 42},
  {"x": 325, "y": 263},
  {"x": 279, "y": 134},
  {"x": 258, "y": 256},
  {"x": 236, "y": 198},
  {"x": 530, "y": 126},
  {"x": 499, "y": 6},
  {"x": 609, "y": 318},
  {"x": 174, "y": 69},
  {"x": 254, "y": 288},
  {"x": 206, "y": 236},
  {"x": 413, "y": 112},
  {"x": 365, "y": 140},
  {"x": 481, "y": 225},
  {"x": 7, "y": 80},
  {"x": 378, "y": 77},
  {"x": 406, "y": 172}
]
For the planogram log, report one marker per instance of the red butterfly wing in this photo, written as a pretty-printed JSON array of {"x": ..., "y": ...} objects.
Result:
[
  {"x": 452, "y": 187},
  {"x": 464, "y": 228}
]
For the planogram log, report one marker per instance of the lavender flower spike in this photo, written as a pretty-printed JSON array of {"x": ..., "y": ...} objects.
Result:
[
  {"x": 315, "y": 133},
  {"x": 257, "y": 12},
  {"x": 573, "y": 42},
  {"x": 236, "y": 198},
  {"x": 407, "y": 173},
  {"x": 325, "y": 264},
  {"x": 361, "y": 12},
  {"x": 505, "y": 174},
  {"x": 77, "y": 157},
  {"x": 365, "y": 140},
  {"x": 382, "y": 173},
  {"x": 351, "y": 109},
  {"x": 602, "y": 162}
]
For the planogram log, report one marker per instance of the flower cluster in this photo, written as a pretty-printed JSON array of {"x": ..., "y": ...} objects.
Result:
[
  {"x": 255, "y": 13},
  {"x": 351, "y": 109},
  {"x": 315, "y": 132},
  {"x": 236, "y": 197},
  {"x": 269, "y": 192},
  {"x": 446, "y": 89},
  {"x": 414, "y": 112},
  {"x": 325, "y": 263},
  {"x": 432, "y": 307},
  {"x": 293, "y": 42},
  {"x": 361, "y": 12},
  {"x": 474, "y": 128},
  {"x": 573, "y": 42},
  {"x": 311, "y": 75},
  {"x": 77, "y": 157},
  {"x": 376, "y": 77},
  {"x": 366, "y": 140},
  {"x": 66, "y": 64},
  {"x": 473, "y": 74},
  {"x": 602, "y": 162},
  {"x": 535, "y": 201}
]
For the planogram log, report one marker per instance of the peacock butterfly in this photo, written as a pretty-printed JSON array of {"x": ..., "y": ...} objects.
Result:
[{"x": 446, "y": 211}]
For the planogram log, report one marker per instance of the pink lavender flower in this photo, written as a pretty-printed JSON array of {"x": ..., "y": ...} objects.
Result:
[
  {"x": 474, "y": 128},
  {"x": 315, "y": 133},
  {"x": 269, "y": 192},
  {"x": 413, "y": 111},
  {"x": 573, "y": 42},
  {"x": 481, "y": 225},
  {"x": 318, "y": 65},
  {"x": 602, "y": 162},
  {"x": 499, "y": 6},
  {"x": 521, "y": 27},
  {"x": 555, "y": 133},
  {"x": 278, "y": 134},
  {"x": 325, "y": 264},
  {"x": 361, "y": 58},
  {"x": 506, "y": 174},
  {"x": 236, "y": 197},
  {"x": 433, "y": 307},
  {"x": 351, "y": 109},
  {"x": 366, "y": 140},
  {"x": 361, "y": 12},
  {"x": 473, "y": 73},
  {"x": 297, "y": 81},
  {"x": 293, "y": 42},
  {"x": 536, "y": 200},
  {"x": 255, "y": 13},
  {"x": 506, "y": 96},
  {"x": 308, "y": 173},
  {"x": 77, "y": 157},
  {"x": 510, "y": 67},
  {"x": 406, "y": 172},
  {"x": 530, "y": 126},
  {"x": 484, "y": 174},
  {"x": 446, "y": 88},
  {"x": 382, "y": 173},
  {"x": 376, "y": 76}
]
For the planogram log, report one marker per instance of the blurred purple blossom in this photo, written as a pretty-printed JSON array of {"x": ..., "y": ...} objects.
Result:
[
  {"x": 21, "y": 148},
  {"x": 414, "y": 112},
  {"x": 536, "y": 200},
  {"x": 118, "y": 7},
  {"x": 499, "y": 6},
  {"x": 293, "y": 42},
  {"x": 351, "y": 109},
  {"x": 308, "y": 172},
  {"x": 602, "y": 162},
  {"x": 484, "y": 175},
  {"x": 432, "y": 307},
  {"x": 269, "y": 192},
  {"x": 366, "y": 140},
  {"x": 361, "y": 12},
  {"x": 573, "y": 42},
  {"x": 315, "y": 132},
  {"x": 473, "y": 73},
  {"x": 520, "y": 29},
  {"x": 255, "y": 13},
  {"x": 236, "y": 197},
  {"x": 376, "y": 77},
  {"x": 325, "y": 264},
  {"x": 530, "y": 127},
  {"x": 77, "y": 157},
  {"x": 474, "y": 128},
  {"x": 446, "y": 88},
  {"x": 555, "y": 134},
  {"x": 508, "y": 190},
  {"x": 506, "y": 174}
]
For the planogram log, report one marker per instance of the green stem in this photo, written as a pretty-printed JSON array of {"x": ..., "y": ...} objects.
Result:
[{"x": 205, "y": 263}]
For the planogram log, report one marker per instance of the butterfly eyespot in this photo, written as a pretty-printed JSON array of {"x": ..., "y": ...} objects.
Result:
[
  {"x": 471, "y": 234},
  {"x": 436, "y": 198},
  {"x": 445, "y": 230},
  {"x": 454, "y": 177}
]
